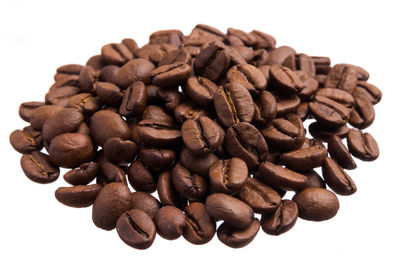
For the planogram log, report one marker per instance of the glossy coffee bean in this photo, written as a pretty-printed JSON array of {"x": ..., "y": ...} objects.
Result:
[
  {"x": 320, "y": 132},
  {"x": 367, "y": 92},
  {"x": 82, "y": 175},
  {"x": 189, "y": 185},
  {"x": 136, "y": 229},
  {"x": 24, "y": 141},
  {"x": 200, "y": 90},
  {"x": 235, "y": 238},
  {"x": 78, "y": 196},
  {"x": 232, "y": 211},
  {"x": 316, "y": 204},
  {"x": 265, "y": 108},
  {"x": 339, "y": 152},
  {"x": 171, "y": 75},
  {"x": 200, "y": 226},
  {"x": 41, "y": 114},
  {"x": 188, "y": 111},
  {"x": 281, "y": 177},
  {"x": 263, "y": 40},
  {"x": 135, "y": 70},
  {"x": 314, "y": 180},
  {"x": 285, "y": 80},
  {"x": 108, "y": 73},
  {"x": 67, "y": 70},
  {"x": 134, "y": 100},
  {"x": 197, "y": 164},
  {"x": 119, "y": 151},
  {"x": 337, "y": 179},
  {"x": 116, "y": 54},
  {"x": 286, "y": 105},
  {"x": 157, "y": 159},
  {"x": 167, "y": 192},
  {"x": 248, "y": 76},
  {"x": 174, "y": 56},
  {"x": 304, "y": 159},
  {"x": 329, "y": 113},
  {"x": 157, "y": 113},
  {"x": 228, "y": 176},
  {"x": 212, "y": 62},
  {"x": 96, "y": 62},
  {"x": 145, "y": 202},
  {"x": 140, "y": 178},
  {"x": 362, "y": 115},
  {"x": 85, "y": 103},
  {"x": 362, "y": 145},
  {"x": 158, "y": 134},
  {"x": 173, "y": 37},
  {"x": 108, "y": 171},
  {"x": 154, "y": 52},
  {"x": 342, "y": 77},
  {"x": 305, "y": 63},
  {"x": 282, "y": 220},
  {"x": 338, "y": 95},
  {"x": 109, "y": 93},
  {"x": 170, "y": 222},
  {"x": 26, "y": 109},
  {"x": 322, "y": 64},
  {"x": 113, "y": 200},
  {"x": 38, "y": 167},
  {"x": 87, "y": 78},
  {"x": 281, "y": 54},
  {"x": 171, "y": 97}
]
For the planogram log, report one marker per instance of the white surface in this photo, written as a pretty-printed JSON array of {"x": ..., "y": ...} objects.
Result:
[{"x": 37, "y": 37}]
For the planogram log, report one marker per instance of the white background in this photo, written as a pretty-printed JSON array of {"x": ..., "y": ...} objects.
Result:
[{"x": 38, "y": 36}]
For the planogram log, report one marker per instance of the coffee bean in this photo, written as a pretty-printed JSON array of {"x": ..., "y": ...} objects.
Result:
[
  {"x": 67, "y": 70},
  {"x": 116, "y": 54},
  {"x": 304, "y": 159},
  {"x": 87, "y": 78},
  {"x": 177, "y": 55},
  {"x": 113, "y": 200},
  {"x": 322, "y": 64},
  {"x": 173, "y": 37},
  {"x": 314, "y": 180},
  {"x": 108, "y": 73},
  {"x": 78, "y": 196},
  {"x": 38, "y": 167},
  {"x": 260, "y": 57},
  {"x": 232, "y": 211},
  {"x": 263, "y": 40},
  {"x": 337, "y": 179},
  {"x": 212, "y": 62},
  {"x": 235, "y": 238},
  {"x": 339, "y": 152},
  {"x": 244, "y": 141},
  {"x": 206, "y": 33},
  {"x": 108, "y": 171},
  {"x": 109, "y": 93},
  {"x": 134, "y": 100},
  {"x": 41, "y": 114},
  {"x": 319, "y": 131},
  {"x": 282, "y": 220},
  {"x": 367, "y": 92},
  {"x": 171, "y": 75},
  {"x": 197, "y": 164},
  {"x": 167, "y": 192},
  {"x": 82, "y": 176},
  {"x": 286, "y": 105},
  {"x": 248, "y": 76},
  {"x": 337, "y": 95},
  {"x": 362, "y": 145},
  {"x": 342, "y": 77},
  {"x": 329, "y": 113},
  {"x": 134, "y": 70},
  {"x": 245, "y": 52},
  {"x": 157, "y": 113},
  {"x": 201, "y": 90},
  {"x": 228, "y": 176},
  {"x": 259, "y": 196},
  {"x": 281, "y": 177},
  {"x": 159, "y": 134},
  {"x": 316, "y": 204},
  {"x": 140, "y": 178},
  {"x": 310, "y": 85},
  {"x": 171, "y": 97},
  {"x": 281, "y": 54},
  {"x": 130, "y": 44},
  {"x": 154, "y": 52},
  {"x": 200, "y": 226},
  {"x": 170, "y": 222},
  {"x": 265, "y": 109},
  {"x": 96, "y": 62},
  {"x": 157, "y": 159},
  {"x": 362, "y": 74},
  {"x": 136, "y": 229},
  {"x": 247, "y": 39},
  {"x": 302, "y": 111},
  {"x": 24, "y": 142},
  {"x": 119, "y": 151},
  {"x": 305, "y": 63},
  {"x": 188, "y": 111},
  {"x": 284, "y": 80},
  {"x": 145, "y": 202},
  {"x": 189, "y": 185},
  {"x": 85, "y": 103},
  {"x": 362, "y": 115},
  {"x": 27, "y": 108}
]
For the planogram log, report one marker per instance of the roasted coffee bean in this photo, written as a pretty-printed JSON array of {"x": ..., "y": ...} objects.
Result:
[
  {"x": 177, "y": 55},
  {"x": 260, "y": 57},
  {"x": 212, "y": 62},
  {"x": 285, "y": 133},
  {"x": 197, "y": 164},
  {"x": 314, "y": 180},
  {"x": 281, "y": 54},
  {"x": 119, "y": 151},
  {"x": 154, "y": 52},
  {"x": 286, "y": 105},
  {"x": 136, "y": 229},
  {"x": 157, "y": 159},
  {"x": 263, "y": 40},
  {"x": 78, "y": 196},
  {"x": 367, "y": 92},
  {"x": 281, "y": 177},
  {"x": 108, "y": 73},
  {"x": 337, "y": 179},
  {"x": 96, "y": 62},
  {"x": 310, "y": 85},
  {"x": 362, "y": 74},
  {"x": 189, "y": 185},
  {"x": 105, "y": 124},
  {"x": 200, "y": 90},
  {"x": 248, "y": 76},
  {"x": 170, "y": 222},
  {"x": 171, "y": 97},
  {"x": 67, "y": 70},
  {"x": 134, "y": 100},
  {"x": 246, "y": 38},
  {"x": 337, "y": 95},
  {"x": 130, "y": 44},
  {"x": 206, "y": 33},
  {"x": 83, "y": 129},
  {"x": 140, "y": 178},
  {"x": 173, "y": 37},
  {"x": 38, "y": 167},
  {"x": 362, "y": 145},
  {"x": 305, "y": 63},
  {"x": 87, "y": 78},
  {"x": 322, "y": 64},
  {"x": 282, "y": 220},
  {"x": 304, "y": 159},
  {"x": 342, "y": 77},
  {"x": 116, "y": 54},
  {"x": 265, "y": 108},
  {"x": 259, "y": 196},
  {"x": 302, "y": 111},
  {"x": 171, "y": 75},
  {"x": 329, "y": 113},
  {"x": 24, "y": 142},
  {"x": 231, "y": 210},
  {"x": 234, "y": 238},
  {"x": 109, "y": 93},
  {"x": 167, "y": 192},
  {"x": 113, "y": 200},
  {"x": 245, "y": 52},
  {"x": 41, "y": 114},
  {"x": 316, "y": 204},
  {"x": 157, "y": 113},
  {"x": 108, "y": 171},
  {"x": 145, "y": 202},
  {"x": 85, "y": 103},
  {"x": 244, "y": 141},
  {"x": 321, "y": 78},
  {"x": 339, "y": 152},
  {"x": 200, "y": 226},
  {"x": 228, "y": 176},
  {"x": 362, "y": 115},
  {"x": 82, "y": 176},
  {"x": 27, "y": 108},
  {"x": 135, "y": 70},
  {"x": 57, "y": 95},
  {"x": 320, "y": 132},
  {"x": 158, "y": 134},
  {"x": 188, "y": 111},
  {"x": 201, "y": 136},
  {"x": 284, "y": 80}
]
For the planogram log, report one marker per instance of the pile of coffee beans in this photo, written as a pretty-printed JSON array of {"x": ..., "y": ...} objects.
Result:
[{"x": 212, "y": 123}]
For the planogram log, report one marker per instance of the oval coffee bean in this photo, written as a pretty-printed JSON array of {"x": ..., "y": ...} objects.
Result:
[
  {"x": 337, "y": 95},
  {"x": 261, "y": 197},
  {"x": 167, "y": 192},
  {"x": 362, "y": 115},
  {"x": 321, "y": 132},
  {"x": 119, "y": 151},
  {"x": 40, "y": 115},
  {"x": 367, "y": 92},
  {"x": 337, "y": 179},
  {"x": 108, "y": 73},
  {"x": 38, "y": 167},
  {"x": 170, "y": 222},
  {"x": 134, "y": 70},
  {"x": 82, "y": 176},
  {"x": 26, "y": 109},
  {"x": 113, "y": 200},
  {"x": 281, "y": 177},
  {"x": 141, "y": 178},
  {"x": 362, "y": 145},
  {"x": 109, "y": 171},
  {"x": 109, "y": 93},
  {"x": 342, "y": 77},
  {"x": 228, "y": 176},
  {"x": 23, "y": 141},
  {"x": 134, "y": 100},
  {"x": 284, "y": 79},
  {"x": 136, "y": 229},
  {"x": 200, "y": 226},
  {"x": 157, "y": 159},
  {"x": 212, "y": 62},
  {"x": 171, "y": 75},
  {"x": 78, "y": 196},
  {"x": 265, "y": 108},
  {"x": 174, "y": 56},
  {"x": 116, "y": 54},
  {"x": 145, "y": 202},
  {"x": 314, "y": 180},
  {"x": 282, "y": 220},
  {"x": 188, "y": 111},
  {"x": 189, "y": 185},
  {"x": 69, "y": 150},
  {"x": 158, "y": 134},
  {"x": 286, "y": 105},
  {"x": 316, "y": 204},
  {"x": 197, "y": 164},
  {"x": 157, "y": 113},
  {"x": 329, "y": 113},
  {"x": 235, "y": 238},
  {"x": 304, "y": 159},
  {"x": 339, "y": 152},
  {"x": 248, "y": 76},
  {"x": 201, "y": 90},
  {"x": 232, "y": 211}
]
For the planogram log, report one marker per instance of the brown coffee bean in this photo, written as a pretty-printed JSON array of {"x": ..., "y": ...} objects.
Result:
[
  {"x": 157, "y": 113},
  {"x": 263, "y": 40},
  {"x": 329, "y": 113},
  {"x": 157, "y": 159},
  {"x": 302, "y": 111},
  {"x": 177, "y": 55},
  {"x": 109, "y": 93},
  {"x": 145, "y": 202},
  {"x": 234, "y": 238},
  {"x": 189, "y": 185},
  {"x": 188, "y": 111},
  {"x": 362, "y": 115},
  {"x": 337, "y": 95},
  {"x": 154, "y": 52},
  {"x": 134, "y": 70},
  {"x": 342, "y": 77},
  {"x": 285, "y": 80},
  {"x": 362, "y": 145},
  {"x": 96, "y": 62},
  {"x": 337, "y": 179},
  {"x": 82, "y": 176},
  {"x": 282, "y": 220},
  {"x": 170, "y": 222},
  {"x": 79, "y": 196},
  {"x": 320, "y": 132},
  {"x": 85, "y": 103},
  {"x": 228, "y": 176},
  {"x": 362, "y": 74},
  {"x": 304, "y": 159},
  {"x": 67, "y": 70},
  {"x": 200, "y": 226},
  {"x": 310, "y": 85},
  {"x": 140, "y": 178},
  {"x": 38, "y": 167},
  {"x": 316, "y": 204},
  {"x": 108, "y": 73},
  {"x": 130, "y": 44},
  {"x": 282, "y": 55},
  {"x": 87, "y": 78},
  {"x": 281, "y": 177},
  {"x": 367, "y": 92},
  {"x": 212, "y": 62},
  {"x": 206, "y": 33},
  {"x": 25, "y": 141},
  {"x": 339, "y": 152},
  {"x": 305, "y": 63},
  {"x": 173, "y": 37},
  {"x": 200, "y": 90},
  {"x": 248, "y": 76},
  {"x": 26, "y": 109},
  {"x": 167, "y": 192},
  {"x": 158, "y": 134},
  {"x": 171, "y": 97},
  {"x": 134, "y": 100},
  {"x": 41, "y": 114},
  {"x": 109, "y": 172},
  {"x": 322, "y": 64},
  {"x": 197, "y": 164},
  {"x": 247, "y": 39},
  {"x": 171, "y": 75},
  {"x": 265, "y": 109},
  {"x": 314, "y": 180},
  {"x": 286, "y": 105},
  {"x": 119, "y": 151},
  {"x": 116, "y": 54}
]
